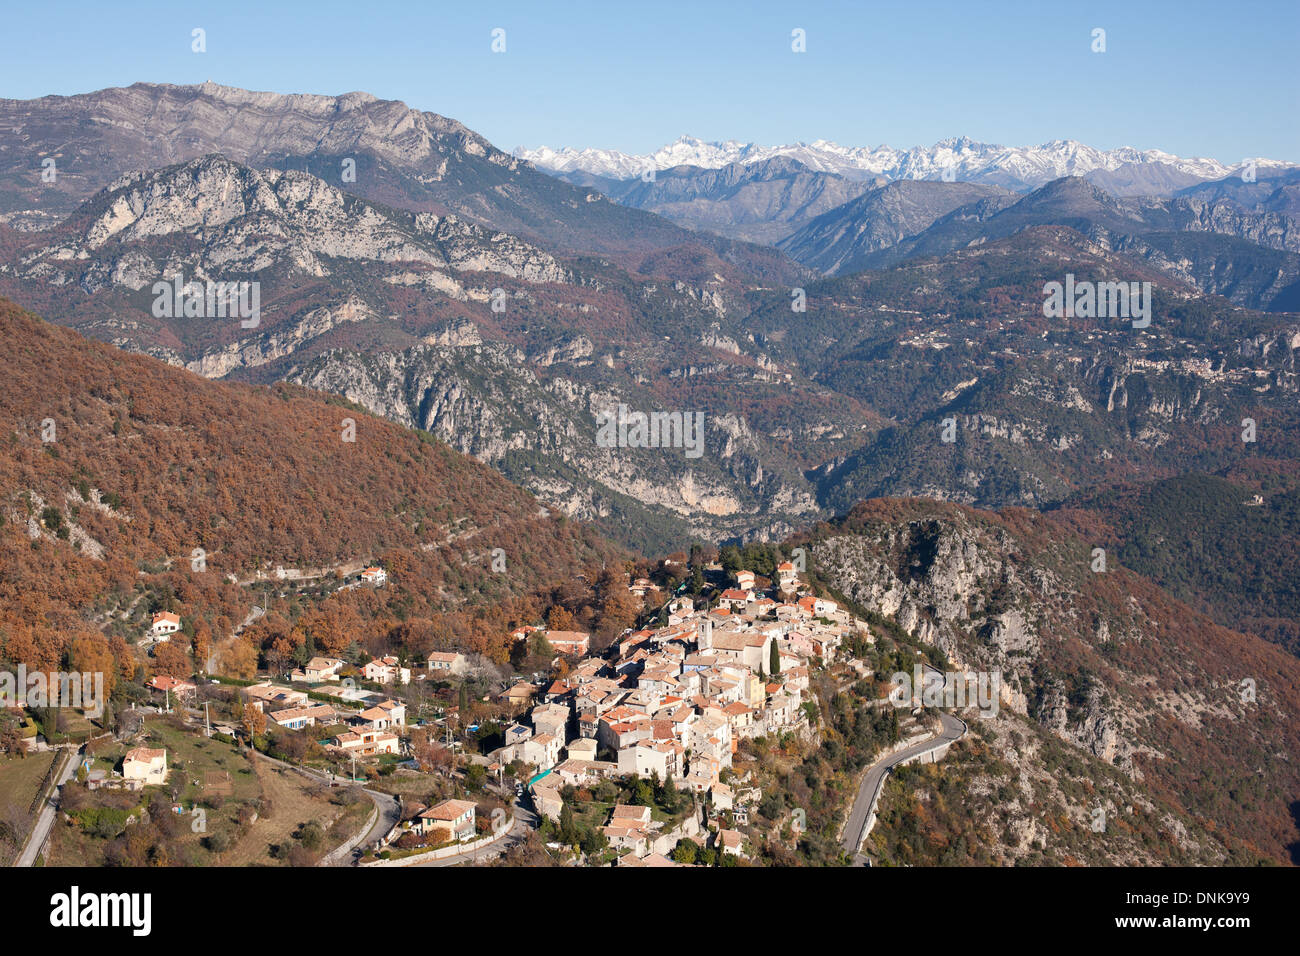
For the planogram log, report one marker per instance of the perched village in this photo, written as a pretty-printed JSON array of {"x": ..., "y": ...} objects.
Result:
[
  {"x": 672, "y": 703},
  {"x": 647, "y": 728}
]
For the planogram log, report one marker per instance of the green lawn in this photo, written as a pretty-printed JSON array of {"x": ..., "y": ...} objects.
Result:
[
  {"x": 20, "y": 776},
  {"x": 193, "y": 758},
  {"x": 19, "y": 779}
]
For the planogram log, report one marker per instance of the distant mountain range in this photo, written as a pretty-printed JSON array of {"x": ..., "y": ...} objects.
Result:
[
  {"x": 758, "y": 202},
  {"x": 1250, "y": 257},
  {"x": 1246, "y": 247},
  {"x": 965, "y": 160},
  {"x": 882, "y": 218},
  {"x": 455, "y": 289},
  {"x": 1239, "y": 239}
]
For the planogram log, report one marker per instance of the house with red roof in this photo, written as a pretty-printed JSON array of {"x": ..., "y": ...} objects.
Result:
[
  {"x": 165, "y": 624},
  {"x": 454, "y": 818},
  {"x": 166, "y": 684}
]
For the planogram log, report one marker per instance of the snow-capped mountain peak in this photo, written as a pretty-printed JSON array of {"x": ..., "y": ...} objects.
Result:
[{"x": 960, "y": 158}]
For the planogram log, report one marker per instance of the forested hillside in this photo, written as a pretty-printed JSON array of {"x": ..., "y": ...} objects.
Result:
[
  {"x": 1228, "y": 546},
  {"x": 116, "y": 468}
]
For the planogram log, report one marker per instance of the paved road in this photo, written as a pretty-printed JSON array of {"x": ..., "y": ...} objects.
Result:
[
  {"x": 525, "y": 820},
  {"x": 45, "y": 819},
  {"x": 874, "y": 779},
  {"x": 390, "y": 811}
]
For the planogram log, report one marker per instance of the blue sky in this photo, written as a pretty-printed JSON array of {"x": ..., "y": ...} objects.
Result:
[{"x": 1193, "y": 78}]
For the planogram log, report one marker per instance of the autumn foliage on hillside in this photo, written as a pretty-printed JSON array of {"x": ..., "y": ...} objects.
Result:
[{"x": 128, "y": 485}]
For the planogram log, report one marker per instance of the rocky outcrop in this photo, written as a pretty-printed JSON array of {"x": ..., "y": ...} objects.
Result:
[
  {"x": 382, "y": 150},
  {"x": 1091, "y": 726},
  {"x": 224, "y": 221},
  {"x": 535, "y": 417},
  {"x": 965, "y": 588},
  {"x": 265, "y": 348}
]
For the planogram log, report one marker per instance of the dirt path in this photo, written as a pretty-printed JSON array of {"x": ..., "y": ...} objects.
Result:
[{"x": 289, "y": 575}]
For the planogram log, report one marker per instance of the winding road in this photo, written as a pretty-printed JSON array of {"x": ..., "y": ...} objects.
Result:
[{"x": 855, "y": 830}]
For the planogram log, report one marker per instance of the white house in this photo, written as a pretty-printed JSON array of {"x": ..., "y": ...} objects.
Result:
[
  {"x": 515, "y": 735},
  {"x": 551, "y": 719},
  {"x": 723, "y": 797},
  {"x": 628, "y": 829},
  {"x": 380, "y": 717},
  {"x": 735, "y": 598},
  {"x": 165, "y": 624},
  {"x": 645, "y": 758},
  {"x": 145, "y": 767},
  {"x": 374, "y": 576},
  {"x": 731, "y": 842},
  {"x": 581, "y": 749},
  {"x": 364, "y": 742},
  {"x": 396, "y": 712},
  {"x": 321, "y": 669},
  {"x": 296, "y": 718},
  {"x": 542, "y": 751},
  {"x": 818, "y": 607},
  {"x": 386, "y": 670}
]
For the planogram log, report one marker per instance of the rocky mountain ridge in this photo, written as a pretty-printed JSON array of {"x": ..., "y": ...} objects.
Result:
[
  {"x": 437, "y": 322},
  {"x": 1099, "y": 659},
  {"x": 380, "y": 150},
  {"x": 758, "y": 202},
  {"x": 1251, "y": 257}
]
